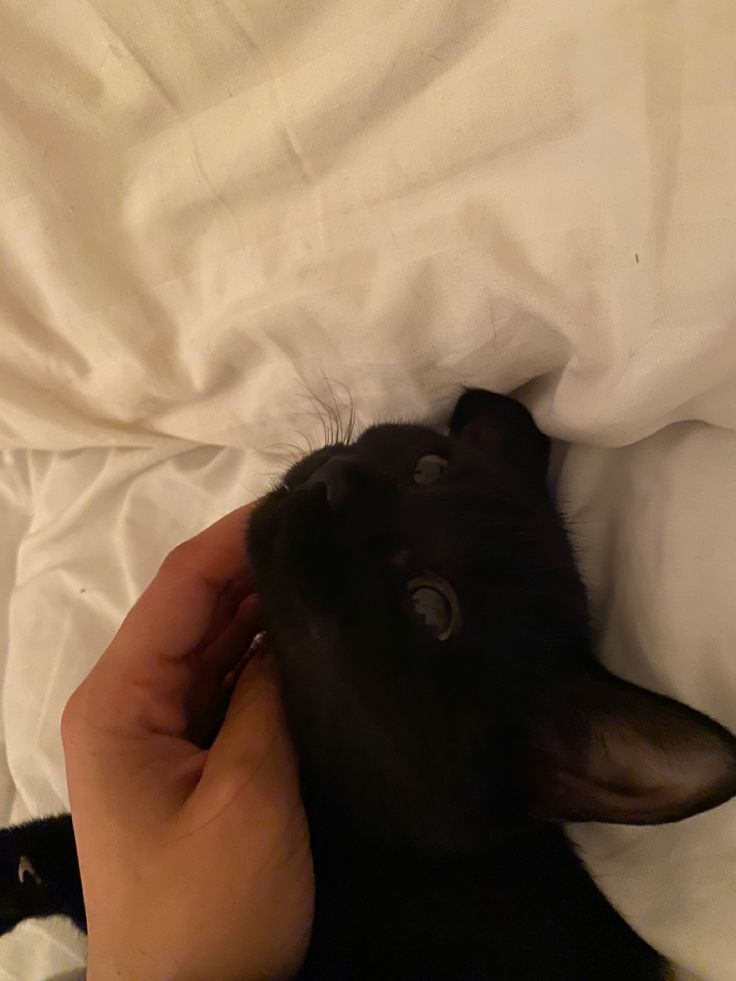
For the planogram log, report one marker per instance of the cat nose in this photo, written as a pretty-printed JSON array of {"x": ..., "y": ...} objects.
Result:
[{"x": 335, "y": 476}]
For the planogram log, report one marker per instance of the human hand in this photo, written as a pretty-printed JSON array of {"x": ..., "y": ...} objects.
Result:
[{"x": 195, "y": 863}]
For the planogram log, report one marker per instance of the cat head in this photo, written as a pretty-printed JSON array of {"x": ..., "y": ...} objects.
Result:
[{"x": 431, "y": 634}]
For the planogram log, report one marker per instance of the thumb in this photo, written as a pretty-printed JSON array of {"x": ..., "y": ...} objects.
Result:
[{"x": 252, "y": 748}]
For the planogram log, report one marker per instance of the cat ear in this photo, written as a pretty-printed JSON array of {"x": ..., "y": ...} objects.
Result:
[
  {"x": 504, "y": 427},
  {"x": 610, "y": 751}
]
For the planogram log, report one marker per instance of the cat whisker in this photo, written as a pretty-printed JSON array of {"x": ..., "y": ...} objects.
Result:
[
  {"x": 295, "y": 451},
  {"x": 350, "y": 430},
  {"x": 307, "y": 440},
  {"x": 273, "y": 481},
  {"x": 331, "y": 414},
  {"x": 326, "y": 418},
  {"x": 335, "y": 410}
]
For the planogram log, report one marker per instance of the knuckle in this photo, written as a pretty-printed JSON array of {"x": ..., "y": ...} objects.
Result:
[
  {"x": 180, "y": 558},
  {"x": 70, "y": 715}
]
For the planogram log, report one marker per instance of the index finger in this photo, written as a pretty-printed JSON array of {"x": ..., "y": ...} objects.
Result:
[{"x": 173, "y": 614}]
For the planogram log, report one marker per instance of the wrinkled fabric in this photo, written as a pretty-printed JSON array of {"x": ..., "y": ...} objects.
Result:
[{"x": 224, "y": 223}]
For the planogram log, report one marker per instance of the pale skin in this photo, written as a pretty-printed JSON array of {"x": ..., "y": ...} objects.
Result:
[{"x": 195, "y": 863}]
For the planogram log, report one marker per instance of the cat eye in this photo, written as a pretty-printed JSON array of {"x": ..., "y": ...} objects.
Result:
[
  {"x": 435, "y": 602},
  {"x": 428, "y": 468}
]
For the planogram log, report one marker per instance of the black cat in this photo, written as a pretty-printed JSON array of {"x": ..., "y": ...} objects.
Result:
[{"x": 431, "y": 634}]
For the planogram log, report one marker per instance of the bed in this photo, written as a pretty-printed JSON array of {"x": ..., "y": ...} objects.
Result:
[{"x": 217, "y": 217}]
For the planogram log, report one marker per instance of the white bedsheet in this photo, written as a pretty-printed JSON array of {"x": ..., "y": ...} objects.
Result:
[{"x": 208, "y": 209}]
